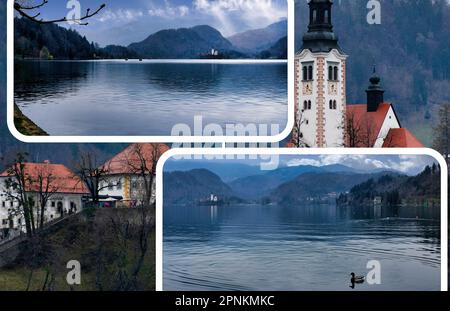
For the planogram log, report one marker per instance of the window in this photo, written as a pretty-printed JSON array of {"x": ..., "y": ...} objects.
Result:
[
  {"x": 110, "y": 186},
  {"x": 309, "y": 105},
  {"x": 333, "y": 73},
  {"x": 333, "y": 105},
  {"x": 326, "y": 17},
  {"x": 314, "y": 16},
  {"x": 53, "y": 204},
  {"x": 308, "y": 70},
  {"x": 305, "y": 105},
  {"x": 11, "y": 203},
  {"x": 119, "y": 185},
  {"x": 4, "y": 222},
  {"x": 3, "y": 204}
]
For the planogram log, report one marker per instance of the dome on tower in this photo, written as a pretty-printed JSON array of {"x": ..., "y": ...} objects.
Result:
[{"x": 320, "y": 36}]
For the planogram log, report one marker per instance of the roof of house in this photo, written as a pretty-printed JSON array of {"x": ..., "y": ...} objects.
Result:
[
  {"x": 401, "y": 138},
  {"x": 128, "y": 160},
  {"x": 368, "y": 124},
  {"x": 60, "y": 178}
]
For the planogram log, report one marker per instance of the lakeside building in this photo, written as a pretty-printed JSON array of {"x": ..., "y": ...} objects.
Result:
[
  {"x": 67, "y": 192},
  {"x": 322, "y": 116}
]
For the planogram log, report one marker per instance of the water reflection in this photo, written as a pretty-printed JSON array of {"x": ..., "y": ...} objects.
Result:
[
  {"x": 134, "y": 98},
  {"x": 296, "y": 248}
]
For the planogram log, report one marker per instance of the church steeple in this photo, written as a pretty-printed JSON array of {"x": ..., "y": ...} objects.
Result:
[
  {"x": 320, "y": 36},
  {"x": 375, "y": 93}
]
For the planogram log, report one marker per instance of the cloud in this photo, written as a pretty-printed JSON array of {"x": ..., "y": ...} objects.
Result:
[
  {"x": 122, "y": 15},
  {"x": 253, "y": 12},
  {"x": 305, "y": 161},
  {"x": 407, "y": 164},
  {"x": 169, "y": 11}
]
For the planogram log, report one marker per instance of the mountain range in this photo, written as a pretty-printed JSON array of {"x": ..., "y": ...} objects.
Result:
[
  {"x": 285, "y": 185},
  {"x": 35, "y": 40},
  {"x": 257, "y": 40}
]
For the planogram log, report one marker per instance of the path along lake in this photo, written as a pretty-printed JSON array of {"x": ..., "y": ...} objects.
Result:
[
  {"x": 299, "y": 248},
  {"x": 121, "y": 97}
]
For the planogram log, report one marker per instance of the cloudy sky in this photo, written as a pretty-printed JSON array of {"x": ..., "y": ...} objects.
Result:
[
  {"x": 406, "y": 164},
  {"x": 123, "y": 22}
]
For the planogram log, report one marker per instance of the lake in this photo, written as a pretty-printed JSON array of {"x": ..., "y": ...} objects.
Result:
[
  {"x": 121, "y": 97},
  {"x": 298, "y": 248}
]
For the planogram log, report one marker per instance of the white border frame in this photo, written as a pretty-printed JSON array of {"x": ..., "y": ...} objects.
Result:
[
  {"x": 138, "y": 139},
  {"x": 299, "y": 152}
]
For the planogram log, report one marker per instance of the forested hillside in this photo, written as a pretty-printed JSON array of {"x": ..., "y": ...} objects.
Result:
[
  {"x": 33, "y": 40},
  {"x": 394, "y": 190},
  {"x": 411, "y": 49}
]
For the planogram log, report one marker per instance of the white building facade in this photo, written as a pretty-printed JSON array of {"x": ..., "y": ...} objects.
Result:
[{"x": 320, "y": 95}]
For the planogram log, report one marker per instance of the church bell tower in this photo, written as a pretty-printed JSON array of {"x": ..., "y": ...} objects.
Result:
[{"x": 320, "y": 98}]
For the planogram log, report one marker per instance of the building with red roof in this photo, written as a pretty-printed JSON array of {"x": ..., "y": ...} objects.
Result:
[
  {"x": 401, "y": 137},
  {"x": 65, "y": 188},
  {"x": 323, "y": 118},
  {"x": 124, "y": 182}
]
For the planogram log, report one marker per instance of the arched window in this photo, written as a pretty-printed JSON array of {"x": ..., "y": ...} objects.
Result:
[
  {"x": 309, "y": 105},
  {"x": 305, "y": 105},
  {"x": 330, "y": 72},
  {"x": 314, "y": 16},
  {"x": 310, "y": 72},
  {"x": 331, "y": 104},
  {"x": 334, "y": 105},
  {"x": 336, "y": 73},
  {"x": 305, "y": 73}
]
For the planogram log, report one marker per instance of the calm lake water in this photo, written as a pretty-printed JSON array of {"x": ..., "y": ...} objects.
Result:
[
  {"x": 149, "y": 97},
  {"x": 298, "y": 248}
]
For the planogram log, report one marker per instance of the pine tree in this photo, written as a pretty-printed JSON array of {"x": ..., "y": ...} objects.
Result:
[{"x": 442, "y": 132}]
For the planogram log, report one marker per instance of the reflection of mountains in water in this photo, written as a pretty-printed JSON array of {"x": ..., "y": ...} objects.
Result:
[{"x": 385, "y": 212}]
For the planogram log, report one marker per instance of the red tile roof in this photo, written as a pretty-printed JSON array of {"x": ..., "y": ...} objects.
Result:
[
  {"x": 126, "y": 161},
  {"x": 401, "y": 138},
  {"x": 368, "y": 124},
  {"x": 62, "y": 179}
]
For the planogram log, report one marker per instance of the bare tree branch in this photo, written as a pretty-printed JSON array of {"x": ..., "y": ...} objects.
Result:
[{"x": 26, "y": 11}]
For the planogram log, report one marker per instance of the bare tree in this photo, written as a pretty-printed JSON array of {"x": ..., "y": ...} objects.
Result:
[
  {"x": 46, "y": 185},
  {"x": 16, "y": 187},
  {"x": 360, "y": 132},
  {"x": 93, "y": 174},
  {"x": 142, "y": 163},
  {"x": 32, "y": 12},
  {"x": 297, "y": 135}
]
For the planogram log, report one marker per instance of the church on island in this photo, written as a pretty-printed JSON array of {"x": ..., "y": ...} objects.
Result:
[{"x": 322, "y": 116}]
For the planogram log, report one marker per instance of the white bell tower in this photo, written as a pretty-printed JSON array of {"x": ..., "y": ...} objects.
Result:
[{"x": 320, "y": 98}]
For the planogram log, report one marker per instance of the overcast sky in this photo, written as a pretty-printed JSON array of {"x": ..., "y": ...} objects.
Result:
[
  {"x": 407, "y": 164},
  {"x": 123, "y": 22}
]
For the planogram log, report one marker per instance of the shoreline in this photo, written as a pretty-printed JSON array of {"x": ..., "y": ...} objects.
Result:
[{"x": 25, "y": 125}]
